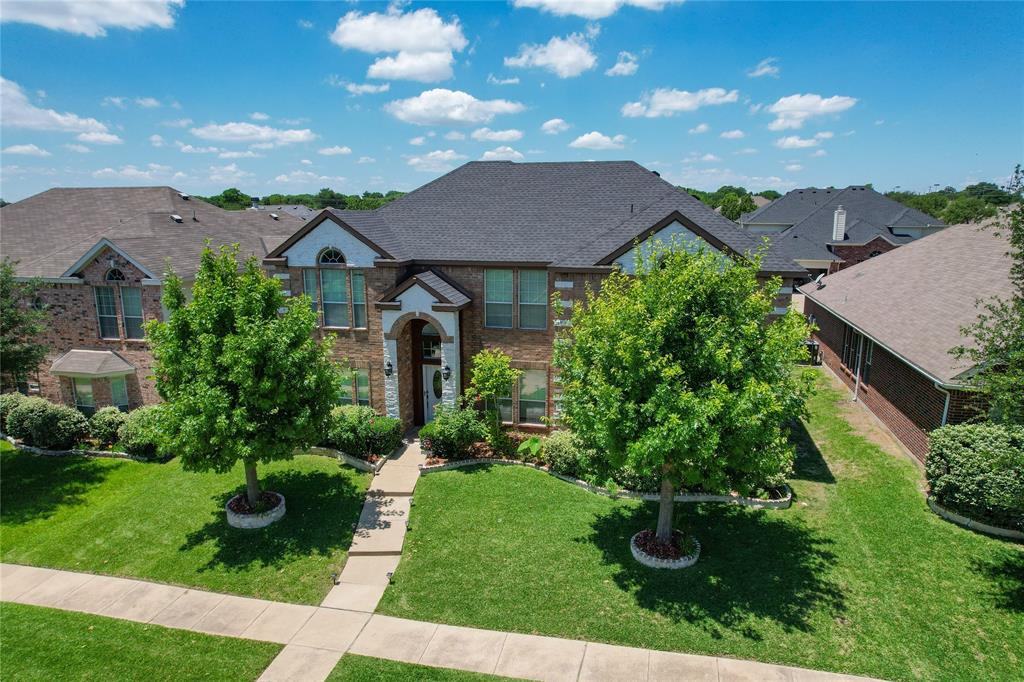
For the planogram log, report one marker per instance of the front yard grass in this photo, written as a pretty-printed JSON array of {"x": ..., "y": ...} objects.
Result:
[
  {"x": 157, "y": 522},
  {"x": 858, "y": 576},
  {"x": 41, "y": 645}
]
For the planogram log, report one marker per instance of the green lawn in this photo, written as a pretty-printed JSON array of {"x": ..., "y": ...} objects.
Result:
[
  {"x": 158, "y": 522},
  {"x": 43, "y": 645},
  {"x": 858, "y": 576},
  {"x": 354, "y": 668}
]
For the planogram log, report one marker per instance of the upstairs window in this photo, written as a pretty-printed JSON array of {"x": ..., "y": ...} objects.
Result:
[
  {"x": 533, "y": 299},
  {"x": 498, "y": 298},
  {"x": 115, "y": 275},
  {"x": 106, "y": 312},
  {"x": 334, "y": 289},
  {"x": 131, "y": 311},
  {"x": 310, "y": 288},
  {"x": 331, "y": 256},
  {"x": 358, "y": 300}
]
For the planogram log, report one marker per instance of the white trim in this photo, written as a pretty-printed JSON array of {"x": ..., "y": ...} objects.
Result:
[
  {"x": 99, "y": 246},
  {"x": 49, "y": 280},
  {"x": 101, "y": 375}
]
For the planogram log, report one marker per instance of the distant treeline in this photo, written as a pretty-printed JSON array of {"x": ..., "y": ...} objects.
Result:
[
  {"x": 734, "y": 201},
  {"x": 235, "y": 200}
]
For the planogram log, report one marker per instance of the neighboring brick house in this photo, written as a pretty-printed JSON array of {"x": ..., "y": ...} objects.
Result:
[
  {"x": 886, "y": 327},
  {"x": 412, "y": 290},
  {"x": 826, "y": 230}
]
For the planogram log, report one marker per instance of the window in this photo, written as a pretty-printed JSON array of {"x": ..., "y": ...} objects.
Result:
[
  {"x": 310, "y": 289},
  {"x": 362, "y": 386},
  {"x": 83, "y": 396},
  {"x": 115, "y": 275},
  {"x": 131, "y": 309},
  {"x": 106, "y": 312},
  {"x": 869, "y": 355},
  {"x": 358, "y": 300},
  {"x": 430, "y": 341},
  {"x": 852, "y": 346},
  {"x": 503, "y": 406},
  {"x": 355, "y": 388},
  {"x": 119, "y": 393},
  {"x": 533, "y": 299},
  {"x": 331, "y": 256},
  {"x": 498, "y": 298},
  {"x": 533, "y": 396},
  {"x": 334, "y": 289}
]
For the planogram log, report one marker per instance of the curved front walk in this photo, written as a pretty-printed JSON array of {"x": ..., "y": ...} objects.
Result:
[{"x": 316, "y": 637}]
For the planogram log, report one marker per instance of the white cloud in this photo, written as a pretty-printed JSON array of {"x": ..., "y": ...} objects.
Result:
[
  {"x": 565, "y": 57},
  {"x": 818, "y": 153},
  {"x": 797, "y": 142},
  {"x": 18, "y": 112},
  {"x": 305, "y": 23},
  {"x": 502, "y": 81},
  {"x": 488, "y": 135},
  {"x": 503, "y": 153},
  {"x": 793, "y": 167},
  {"x": 765, "y": 67},
  {"x": 178, "y": 123},
  {"x": 147, "y": 102},
  {"x": 554, "y": 126},
  {"x": 591, "y": 9},
  {"x": 152, "y": 171},
  {"x": 239, "y": 131},
  {"x": 94, "y": 17},
  {"x": 423, "y": 41},
  {"x": 99, "y": 138},
  {"x": 710, "y": 157},
  {"x": 880, "y": 121},
  {"x": 77, "y": 148},
  {"x": 745, "y": 151},
  {"x": 700, "y": 129},
  {"x": 596, "y": 140},
  {"x": 299, "y": 177},
  {"x": 228, "y": 174},
  {"x": 156, "y": 140},
  {"x": 418, "y": 140},
  {"x": 713, "y": 178},
  {"x": 454, "y": 135},
  {"x": 111, "y": 101},
  {"x": 191, "y": 149},
  {"x": 669, "y": 101},
  {"x": 733, "y": 135},
  {"x": 435, "y": 161},
  {"x": 449, "y": 107},
  {"x": 259, "y": 116},
  {"x": 26, "y": 150},
  {"x": 791, "y": 112},
  {"x": 336, "y": 150},
  {"x": 367, "y": 88},
  {"x": 625, "y": 66},
  {"x": 366, "y": 159},
  {"x": 247, "y": 154},
  {"x": 306, "y": 162}
]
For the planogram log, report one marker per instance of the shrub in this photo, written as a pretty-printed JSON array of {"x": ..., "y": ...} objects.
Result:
[
  {"x": 105, "y": 423},
  {"x": 37, "y": 421},
  {"x": 140, "y": 433},
  {"x": 978, "y": 470},
  {"x": 360, "y": 432},
  {"x": 8, "y": 401},
  {"x": 453, "y": 432},
  {"x": 566, "y": 454}
]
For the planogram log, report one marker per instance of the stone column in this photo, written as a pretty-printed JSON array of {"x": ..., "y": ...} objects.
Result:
[
  {"x": 450, "y": 357},
  {"x": 391, "y": 382}
]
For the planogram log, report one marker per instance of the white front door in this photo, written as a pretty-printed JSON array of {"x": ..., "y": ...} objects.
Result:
[{"x": 432, "y": 385}]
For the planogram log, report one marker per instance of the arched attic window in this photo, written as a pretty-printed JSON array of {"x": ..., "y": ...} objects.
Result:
[
  {"x": 115, "y": 275},
  {"x": 331, "y": 256}
]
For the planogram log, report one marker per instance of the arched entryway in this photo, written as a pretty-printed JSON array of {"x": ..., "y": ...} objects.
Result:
[{"x": 422, "y": 356}]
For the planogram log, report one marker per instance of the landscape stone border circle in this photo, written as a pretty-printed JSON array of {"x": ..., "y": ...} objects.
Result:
[
  {"x": 971, "y": 524},
  {"x": 654, "y": 562},
  {"x": 254, "y": 521}
]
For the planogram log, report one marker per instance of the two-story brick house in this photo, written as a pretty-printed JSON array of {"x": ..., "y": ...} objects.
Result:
[{"x": 414, "y": 289}]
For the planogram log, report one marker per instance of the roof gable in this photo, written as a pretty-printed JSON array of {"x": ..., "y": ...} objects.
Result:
[
  {"x": 325, "y": 231},
  {"x": 105, "y": 243}
]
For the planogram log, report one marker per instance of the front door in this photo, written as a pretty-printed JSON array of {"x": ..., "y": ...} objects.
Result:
[{"x": 432, "y": 385}]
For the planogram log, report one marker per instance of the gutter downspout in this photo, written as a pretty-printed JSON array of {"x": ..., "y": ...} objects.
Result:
[
  {"x": 945, "y": 407},
  {"x": 860, "y": 356}
]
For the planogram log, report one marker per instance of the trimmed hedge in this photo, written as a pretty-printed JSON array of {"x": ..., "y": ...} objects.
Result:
[
  {"x": 977, "y": 470},
  {"x": 140, "y": 433},
  {"x": 453, "y": 432},
  {"x": 105, "y": 423},
  {"x": 360, "y": 432},
  {"x": 8, "y": 401},
  {"x": 38, "y": 422}
]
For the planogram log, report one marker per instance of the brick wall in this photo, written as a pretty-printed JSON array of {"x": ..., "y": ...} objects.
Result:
[
  {"x": 906, "y": 401},
  {"x": 852, "y": 255}
]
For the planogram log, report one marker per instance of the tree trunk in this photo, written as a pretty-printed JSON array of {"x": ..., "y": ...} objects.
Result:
[
  {"x": 252, "y": 484},
  {"x": 665, "y": 509}
]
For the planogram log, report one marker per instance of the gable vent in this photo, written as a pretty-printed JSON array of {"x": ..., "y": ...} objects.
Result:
[{"x": 176, "y": 218}]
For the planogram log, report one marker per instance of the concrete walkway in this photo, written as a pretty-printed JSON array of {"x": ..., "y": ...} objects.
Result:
[{"x": 316, "y": 637}]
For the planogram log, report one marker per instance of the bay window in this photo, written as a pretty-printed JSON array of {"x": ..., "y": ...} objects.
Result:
[
  {"x": 119, "y": 393},
  {"x": 84, "y": 400}
]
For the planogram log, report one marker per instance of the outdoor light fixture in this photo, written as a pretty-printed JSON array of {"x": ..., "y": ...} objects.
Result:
[
  {"x": 446, "y": 373},
  {"x": 389, "y": 369}
]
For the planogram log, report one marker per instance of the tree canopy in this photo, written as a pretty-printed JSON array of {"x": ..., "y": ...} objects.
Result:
[
  {"x": 242, "y": 377},
  {"x": 971, "y": 204},
  {"x": 233, "y": 199},
  {"x": 675, "y": 373},
  {"x": 21, "y": 323}
]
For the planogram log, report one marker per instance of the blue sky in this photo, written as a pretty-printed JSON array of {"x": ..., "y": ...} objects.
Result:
[{"x": 296, "y": 96}]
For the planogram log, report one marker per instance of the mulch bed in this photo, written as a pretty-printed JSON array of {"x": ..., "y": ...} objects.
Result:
[
  {"x": 680, "y": 546},
  {"x": 268, "y": 501}
]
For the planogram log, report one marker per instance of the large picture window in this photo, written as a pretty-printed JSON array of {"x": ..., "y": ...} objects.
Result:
[
  {"x": 339, "y": 292},
  {"x": 131, "y": 310},
  {"x": 106, "y": 312},
  {"x": 119, "y": 393},
  {"x": 502, "y": 405},
  {"x": 533, "y": 396},
  {"x": 498, "y": 298},
  {"x": 533, "y": 299},
  {"x": 334, "y": 289},
  {"x": 355, "y": 388},
  {"x": 84, "y": 400}
]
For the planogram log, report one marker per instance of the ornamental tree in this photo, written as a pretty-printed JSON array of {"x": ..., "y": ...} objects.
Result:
[
  {"x": 492, "y": 377},
  {"x": 21, "y": 325},
  {"x": 238, "y": 367},
  {"x": 675, "y": 372}
]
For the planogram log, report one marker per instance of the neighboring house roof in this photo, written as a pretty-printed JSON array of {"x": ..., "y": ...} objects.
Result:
[
  {"x": 49, "y": 232},
  {"x": 91, "y": 363},
  {"x": 571, "y": 214},
  {"x": 299, "y": 211},
  {"x": 806, "y": 217},
  {"x": 915, "y": 299}
]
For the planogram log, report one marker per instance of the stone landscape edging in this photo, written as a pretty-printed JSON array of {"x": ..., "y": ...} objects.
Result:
[
  {"x": 355, "y": 462},
  {"x": 110, "y": 454},
  {"x": 654, "y": 562},
  {"x": 254, "y": 521},
  {"x": 754, "y": 502},
  {"x": 971, "y": 524}
]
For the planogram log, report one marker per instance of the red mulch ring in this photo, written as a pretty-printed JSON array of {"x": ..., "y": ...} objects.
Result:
[
  {"x": 268, "y": 500},
  {"x": 647, "y": 542}
]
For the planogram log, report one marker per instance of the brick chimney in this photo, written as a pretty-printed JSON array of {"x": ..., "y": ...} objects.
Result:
[{"x": 839, "y": 225}]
